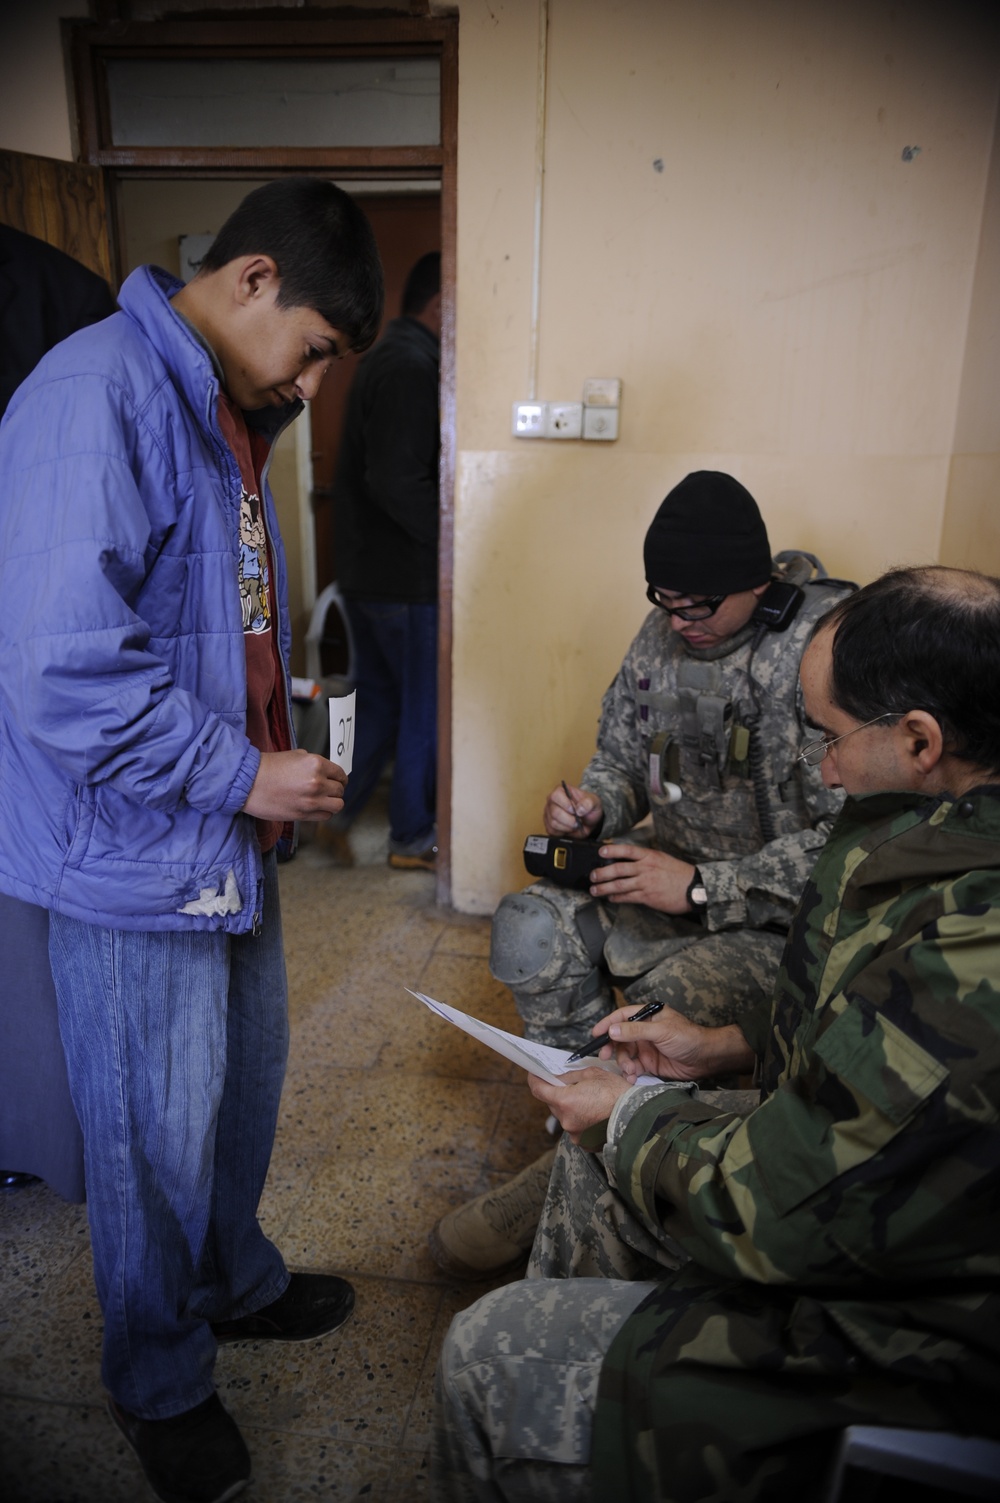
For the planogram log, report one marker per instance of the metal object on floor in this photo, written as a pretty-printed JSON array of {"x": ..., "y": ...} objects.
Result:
[{"x": 958, "y": 1465}]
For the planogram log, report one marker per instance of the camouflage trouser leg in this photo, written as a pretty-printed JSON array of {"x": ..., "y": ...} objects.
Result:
[
  {"x": 537, "y": 949},
  {"x": 587, "y": 1231},
  {"x": 714, "y": 979},
  {"x": 561, "y": 981},
  {"x": 516, "y": 1388}
]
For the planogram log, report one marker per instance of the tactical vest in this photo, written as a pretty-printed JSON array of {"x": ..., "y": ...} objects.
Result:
[{"x": 709, "y": 732}]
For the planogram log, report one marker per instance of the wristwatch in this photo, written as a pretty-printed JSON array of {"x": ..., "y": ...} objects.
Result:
[{"x": 696, "y": 895}]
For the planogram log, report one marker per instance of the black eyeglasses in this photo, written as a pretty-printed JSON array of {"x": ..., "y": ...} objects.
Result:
[{"x": 698, "y": 610}]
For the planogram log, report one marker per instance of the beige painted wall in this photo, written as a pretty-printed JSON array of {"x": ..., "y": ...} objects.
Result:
[
  {"x": 787, "y": 299},
  {"x": 971, "y": 533}
]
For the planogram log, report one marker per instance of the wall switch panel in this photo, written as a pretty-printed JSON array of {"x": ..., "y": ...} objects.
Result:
[
  {"x": 600, "y": 423},
  {"x": 563, "y": 419},
  {"x": 528, "y": 419},
  {"x": 602, "y": 391}
]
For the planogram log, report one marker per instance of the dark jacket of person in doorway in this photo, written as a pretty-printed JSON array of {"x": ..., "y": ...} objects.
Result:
[{"x": 386, "y": 490}]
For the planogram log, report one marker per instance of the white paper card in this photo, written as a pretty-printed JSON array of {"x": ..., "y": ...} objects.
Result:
[
  {"x": 342, "y": 725},
  {"x": 538, "y": 1059}
]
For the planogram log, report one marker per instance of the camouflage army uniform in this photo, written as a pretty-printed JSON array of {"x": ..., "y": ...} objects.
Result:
[
  {"x": 679, "y": 715},
  {"x": 844, "y": 1238}
]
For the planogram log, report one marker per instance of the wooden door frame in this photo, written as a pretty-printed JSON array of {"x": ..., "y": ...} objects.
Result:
[{"x": 92, "y": 44}]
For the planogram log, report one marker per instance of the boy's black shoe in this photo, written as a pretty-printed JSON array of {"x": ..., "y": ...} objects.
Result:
[
  {"x": 314, "y": 1304},
  {"x": 195, "y": 1457}
]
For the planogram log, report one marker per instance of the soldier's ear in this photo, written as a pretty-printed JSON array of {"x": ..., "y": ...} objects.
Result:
[{"x": 923, "y": 741}]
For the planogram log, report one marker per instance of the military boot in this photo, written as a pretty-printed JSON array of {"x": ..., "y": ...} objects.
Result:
[{"x": 493, "y": 1233}]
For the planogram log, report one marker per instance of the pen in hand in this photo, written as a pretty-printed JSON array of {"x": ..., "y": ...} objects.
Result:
[
  {"x": 596, "y": 1045},
  {"x": 576, "y": 813}
]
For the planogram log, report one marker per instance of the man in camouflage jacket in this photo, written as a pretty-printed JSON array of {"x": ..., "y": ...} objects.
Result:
[
  {"x": 701, "y": 730},
  {"x": 843, "y": 1239}
]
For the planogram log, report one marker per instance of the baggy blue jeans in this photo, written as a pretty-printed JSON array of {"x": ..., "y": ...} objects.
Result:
[
  {"x": 395, "y": 667},
  {"x": 176, "y": 1046}
]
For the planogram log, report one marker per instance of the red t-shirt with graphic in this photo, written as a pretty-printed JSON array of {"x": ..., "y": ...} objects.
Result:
[{"x": 267, "y": 715}]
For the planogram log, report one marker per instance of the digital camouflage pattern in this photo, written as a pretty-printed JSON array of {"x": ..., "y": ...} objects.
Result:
[
  {"x": 688, "y": 710},
  {"x": 499, "y": 1437},
  {"x": 845, "y": 1236},
  {"x": 588, "y": 1231},
  {"x": 712, "y": 978}
]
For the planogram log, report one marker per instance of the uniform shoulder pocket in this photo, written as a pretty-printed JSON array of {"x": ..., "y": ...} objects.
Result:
[
  {"x": 868, "y": 1079},
  {"x": 875, "y": 1058}
]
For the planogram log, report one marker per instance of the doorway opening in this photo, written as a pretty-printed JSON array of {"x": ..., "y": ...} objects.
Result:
[{"x": 369, "y": 104}]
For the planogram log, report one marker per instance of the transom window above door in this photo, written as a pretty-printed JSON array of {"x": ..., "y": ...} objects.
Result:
[{"x": 274, "y": 101}]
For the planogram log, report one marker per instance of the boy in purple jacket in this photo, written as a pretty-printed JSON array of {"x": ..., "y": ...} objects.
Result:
[{"x": 148, "y": 778}]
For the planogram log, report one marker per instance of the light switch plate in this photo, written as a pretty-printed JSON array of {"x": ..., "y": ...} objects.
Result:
[{"x": 602, "y": 391}]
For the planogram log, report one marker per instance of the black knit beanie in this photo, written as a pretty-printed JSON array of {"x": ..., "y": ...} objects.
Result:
[{"x": 708, "y": 538}]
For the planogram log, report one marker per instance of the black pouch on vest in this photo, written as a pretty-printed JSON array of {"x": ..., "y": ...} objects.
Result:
[{"x": 568, "y": 863}]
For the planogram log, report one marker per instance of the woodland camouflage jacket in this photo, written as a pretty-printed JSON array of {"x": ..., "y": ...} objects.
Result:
[{"x": 847, "y": 1233}]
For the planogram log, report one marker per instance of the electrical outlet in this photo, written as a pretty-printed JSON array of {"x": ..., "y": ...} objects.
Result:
[
  {"x": 600, "y": 422},
  {"x": 563, "y": 420},
  {"x": 528, "y": 419}
]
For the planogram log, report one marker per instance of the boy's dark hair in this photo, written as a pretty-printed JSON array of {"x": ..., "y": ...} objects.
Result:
[
  {"x": 924, "y": 639},
  {"x": 323, "y": 246},
  {"x": 422, "y": 283}
]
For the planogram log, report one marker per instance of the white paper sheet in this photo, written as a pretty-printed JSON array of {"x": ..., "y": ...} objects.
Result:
[
  {"x": 538, "y": 1059},
  {"x": 342, "y": 726}
]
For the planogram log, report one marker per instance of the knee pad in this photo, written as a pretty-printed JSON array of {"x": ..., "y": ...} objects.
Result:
[{"x": 526, "y": 941}]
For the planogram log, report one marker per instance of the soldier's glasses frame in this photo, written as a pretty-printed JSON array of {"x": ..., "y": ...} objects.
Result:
[
  {"x": 698, "y": 610},
  {"x": 814, "y": 752}
]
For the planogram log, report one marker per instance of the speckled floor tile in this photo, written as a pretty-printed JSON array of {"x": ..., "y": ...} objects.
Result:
[
  {"x": 465, "y": 982},
  {"x": 389, "y": 1118},
  {"x": 424, "y": 1044},
  {"x": 357, "y": 1384},
  {"x": 54, "y": 1351},
  {"x": 289, "y": 1468},
  {"x": 40, "y": 1236},
  {"x": 38, "y": 1214},
  {"x": 65, "y": 1453},
  {"x": 55, "y": 1453},
  {"x": 404, "y": 1147},
  {"x": 519, "y": 1136},
  {"x": 465, "y": 935}
]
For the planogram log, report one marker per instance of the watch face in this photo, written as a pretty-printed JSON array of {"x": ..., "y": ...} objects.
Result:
[{"x": 699, "y": 896}]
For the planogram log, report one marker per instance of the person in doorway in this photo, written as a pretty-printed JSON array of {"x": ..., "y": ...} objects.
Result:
[
  {"x": 386, "y": 528},
  {"x": 836, "y": 1252},
  {"x": 149, "y": 778},
  {"x": 707, "y": 706}
]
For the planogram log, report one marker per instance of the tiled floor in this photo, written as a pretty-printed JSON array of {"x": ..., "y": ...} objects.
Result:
[{"x": 389, "y": 1117}]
